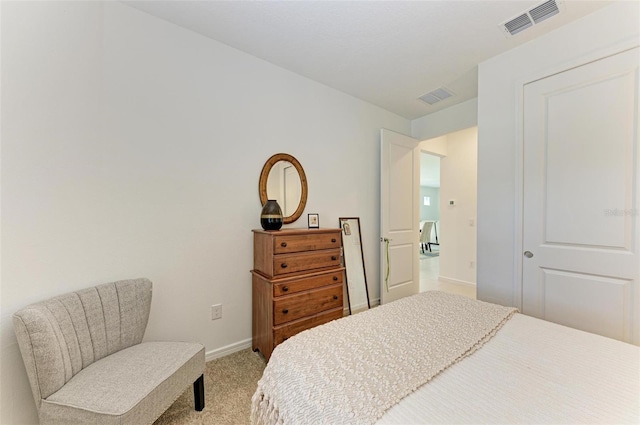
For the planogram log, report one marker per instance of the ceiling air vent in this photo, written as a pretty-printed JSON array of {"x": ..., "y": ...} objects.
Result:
[
  {"x": 436, "y": 96},
  {"x": 544, "y": 11},
  {"x": 531, "y": 17},
  {"x": 518, "y": 24}
]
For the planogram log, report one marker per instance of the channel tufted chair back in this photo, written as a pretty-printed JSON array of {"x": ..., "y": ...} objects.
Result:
[{"x": 76, "y": 329}]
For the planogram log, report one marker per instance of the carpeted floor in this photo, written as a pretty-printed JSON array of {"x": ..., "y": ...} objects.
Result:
[{"x": 229, "y": 383}]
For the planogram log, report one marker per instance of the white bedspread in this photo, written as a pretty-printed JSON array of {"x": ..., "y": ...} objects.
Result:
[
  {"x": 350, "y": 371},
  {"x": 532, "y": 371}
]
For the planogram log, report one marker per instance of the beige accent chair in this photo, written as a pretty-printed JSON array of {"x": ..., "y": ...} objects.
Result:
[
  {"x": 425, "y": 236},
  {"x": 87, "y": 364}
]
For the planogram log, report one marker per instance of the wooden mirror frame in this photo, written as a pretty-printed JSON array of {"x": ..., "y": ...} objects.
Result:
[{"x": 264, "y": 176}]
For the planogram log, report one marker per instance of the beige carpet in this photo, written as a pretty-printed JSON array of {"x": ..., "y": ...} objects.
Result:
[{"x": 229, "y": 383}]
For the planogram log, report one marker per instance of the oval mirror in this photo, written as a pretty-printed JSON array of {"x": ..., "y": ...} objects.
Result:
[{"x": 283, "y": 179}]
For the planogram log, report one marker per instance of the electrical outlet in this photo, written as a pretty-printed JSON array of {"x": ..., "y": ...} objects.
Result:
[{"x": 216, "y": 311}]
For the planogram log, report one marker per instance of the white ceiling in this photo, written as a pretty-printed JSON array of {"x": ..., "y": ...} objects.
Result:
[{"x": 385, "y": 52}]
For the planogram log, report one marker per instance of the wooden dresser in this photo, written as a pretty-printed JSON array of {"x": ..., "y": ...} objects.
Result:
[{"x": 297, "y": 283}]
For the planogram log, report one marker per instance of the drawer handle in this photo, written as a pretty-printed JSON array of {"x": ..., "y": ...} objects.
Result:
[
  {"x": 334, "y": 258},
  {"x": 285, "y": 311},
  {"x": 335, "y": 297},
  {"x": 285, "y": 288},
  {"x": 283, "y": 265},
  {"x": 283, "y": 244},
  {"x": 335, "y": 278},
  {"x": 333, "y": 240}
]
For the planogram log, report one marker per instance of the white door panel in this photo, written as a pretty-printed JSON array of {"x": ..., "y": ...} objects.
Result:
[
  {"x": 609, "y": 296},
  {"x": 400, "y": 193},
  {"x": 581, "y": 198},
  {"x": 401, "y": 274},
  {"x": 399, "y": 215},
  {"x": 587, "y": 145}
]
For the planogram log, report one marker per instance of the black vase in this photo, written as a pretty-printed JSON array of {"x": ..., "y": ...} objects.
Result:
[{"x": 271, "y": 216}]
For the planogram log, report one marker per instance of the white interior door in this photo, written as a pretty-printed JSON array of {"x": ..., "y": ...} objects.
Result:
[
  {"x": 581, "y": 237},
  {"x": 400, "y": 215}
]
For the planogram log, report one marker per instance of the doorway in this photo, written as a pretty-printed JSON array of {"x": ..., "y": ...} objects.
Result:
[
  {"x": 449, "y": 163},
  {"x": 429, "y": 202}
]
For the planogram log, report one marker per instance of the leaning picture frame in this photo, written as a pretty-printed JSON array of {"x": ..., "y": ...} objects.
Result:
[{"x": 314, "y": 221}]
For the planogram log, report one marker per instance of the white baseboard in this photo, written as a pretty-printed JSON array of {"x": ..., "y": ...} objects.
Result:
[
  {"x": 242, "y": 345},
  {"x": 456, "y": 281},
  {"x": 227, "y": 349},
  {"x": 372, "y": 303}
]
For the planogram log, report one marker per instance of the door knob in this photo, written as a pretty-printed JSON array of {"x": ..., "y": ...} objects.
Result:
[{"x": 528, "y": 254}]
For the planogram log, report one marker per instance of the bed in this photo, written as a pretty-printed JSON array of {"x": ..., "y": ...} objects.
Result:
[{"x": 442, "y": 358}]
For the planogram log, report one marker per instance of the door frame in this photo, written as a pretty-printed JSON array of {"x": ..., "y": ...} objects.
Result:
[{"x": 534, "y": 76}]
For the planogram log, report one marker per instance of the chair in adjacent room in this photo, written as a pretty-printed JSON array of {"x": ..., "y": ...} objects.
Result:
[{"x": 425, "y": 236}]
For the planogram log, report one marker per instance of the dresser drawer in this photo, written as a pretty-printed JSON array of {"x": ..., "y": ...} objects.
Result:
[
  {"x": 292, "y": 307},
  {"x": 291, "y": 286},
  {"x": 284, "y": 332},
  {"x": 297, "y": 283},
  {"x": 284, "y": 244},
  {"x": 305, "y": 261}
]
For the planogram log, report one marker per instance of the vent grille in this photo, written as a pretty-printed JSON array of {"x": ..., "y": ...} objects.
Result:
[
  {"x": 518, "y": 24},
  {"x": 544, "y": 11},
  {"x": 436, "y": 96},
  {"x": 531, "y": 17}
]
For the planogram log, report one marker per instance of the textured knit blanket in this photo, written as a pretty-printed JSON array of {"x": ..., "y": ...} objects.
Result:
[{"x": 352, "y": 370}]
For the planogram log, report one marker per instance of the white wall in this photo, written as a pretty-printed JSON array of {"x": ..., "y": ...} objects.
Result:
[
  {"x": 436, "y": 146},
  {"x": 132, "y": 147},
  {"x": 457, "y": 117},
  {"x": 457, "y": 232},
  {"x": 432, "y": 211},
  {"x": 606, "y": 31}
]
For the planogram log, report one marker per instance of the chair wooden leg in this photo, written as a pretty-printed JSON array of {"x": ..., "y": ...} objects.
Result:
[{"x": 198, "y": 393}]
